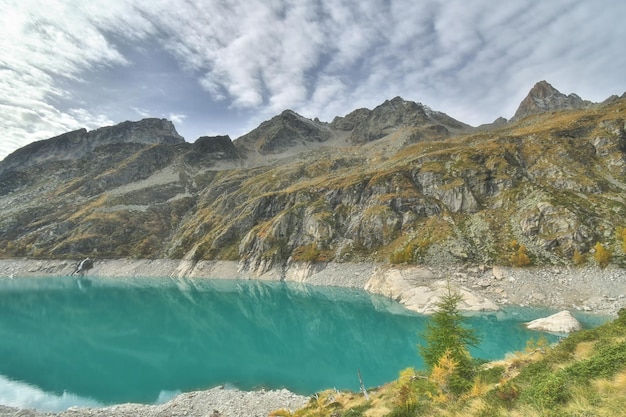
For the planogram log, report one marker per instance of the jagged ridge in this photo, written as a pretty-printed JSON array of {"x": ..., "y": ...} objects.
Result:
[{"x": 382, "y": 184}]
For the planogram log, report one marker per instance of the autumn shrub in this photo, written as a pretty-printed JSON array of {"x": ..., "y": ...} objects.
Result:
[
  {"x": 506, "y": 392},
  {"x": 601, "y": 255},
  {"x": 306, "y": 253},
  {"x": 410, "y": 392},
  {"x": 548, "y": 390},
  {"x": 519, "y": 257},
  {"x": 578, "y": 258},
  {"x": 607, "y": 360},
  {"x": 620, "y": 235},
  {"x": 491, "y": 375},
  {"x": 357, "y": 411},
  {"x": 404, "y": 255}
]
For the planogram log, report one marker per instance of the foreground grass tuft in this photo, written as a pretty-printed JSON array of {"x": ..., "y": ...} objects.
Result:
[{"x": 583, "y": 376}]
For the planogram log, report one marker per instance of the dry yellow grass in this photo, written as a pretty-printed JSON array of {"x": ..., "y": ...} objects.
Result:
[{"x": 584, "y": 350}]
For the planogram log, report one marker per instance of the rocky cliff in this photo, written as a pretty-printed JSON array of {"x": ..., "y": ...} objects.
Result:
[
  {"x": 399, "y": 183},
  {"x": 286, "y": 130},
  {"x": 76, "y": 144},
  {"x": 545, "y": 98}
]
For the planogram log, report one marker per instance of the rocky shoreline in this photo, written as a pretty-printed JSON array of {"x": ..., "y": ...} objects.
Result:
[
  {"x": 589, "y": 289},
  {"x": 586, "y": 289},
  {"x": 216, "y": 402}
]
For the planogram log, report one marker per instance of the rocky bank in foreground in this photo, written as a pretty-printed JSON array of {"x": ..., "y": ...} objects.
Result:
[{"x": 216, "y": 402}]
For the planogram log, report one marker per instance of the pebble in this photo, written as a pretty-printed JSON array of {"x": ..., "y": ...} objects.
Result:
[{"x": 217, "y": 402}]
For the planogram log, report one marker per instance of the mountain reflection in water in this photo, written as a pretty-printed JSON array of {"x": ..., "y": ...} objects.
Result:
[{"x": 116, "y": 340}]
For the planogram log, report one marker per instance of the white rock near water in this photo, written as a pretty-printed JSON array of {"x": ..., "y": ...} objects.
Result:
[
  {"x": 561, "y": 322},
  {"x": 417, "y": 289}
]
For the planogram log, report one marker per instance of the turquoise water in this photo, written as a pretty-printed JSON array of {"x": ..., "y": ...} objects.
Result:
[{"x": 113, "y": 341}]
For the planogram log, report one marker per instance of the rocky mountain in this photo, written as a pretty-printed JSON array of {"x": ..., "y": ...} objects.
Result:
[
  {"x": 545, "y": 98},
  {"x": 398, "y": 113},
  {"x": 399, "y": 183},
  {"x": 76, "y": 144},
  {"x": 286, "y": 130}
]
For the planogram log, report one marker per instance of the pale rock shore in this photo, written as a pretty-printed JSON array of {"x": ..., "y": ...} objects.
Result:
[
  {"x": 562, "y": 322},
  {"x": 418, "y": 288},
  {"x": 590, "y": 289},
  {"x": 216, "y": 402}
]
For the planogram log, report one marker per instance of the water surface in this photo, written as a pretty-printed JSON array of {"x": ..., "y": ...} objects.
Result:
[{"x": 109, "y": 341}]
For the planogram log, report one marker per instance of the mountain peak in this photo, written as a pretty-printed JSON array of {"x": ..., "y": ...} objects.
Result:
[
  {"x": 286, "y": 130},
  {"x": 543, "y": 97},
  {"x": 73, "y": 145},
  {"x": 543, "y": 89},
  {"x": 400, "y": 113}
]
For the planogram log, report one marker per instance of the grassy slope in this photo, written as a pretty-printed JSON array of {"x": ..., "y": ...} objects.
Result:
[{"x": 583, "y": 376}]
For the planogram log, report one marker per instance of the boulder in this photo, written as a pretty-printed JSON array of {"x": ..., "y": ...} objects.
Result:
[
  {"x": 499, "y": 273},
  {"x": 414, "y": 288},
  {"x": 561, "y": 322}
]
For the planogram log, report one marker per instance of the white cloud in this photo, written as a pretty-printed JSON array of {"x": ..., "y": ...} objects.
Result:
[
  {"x": 142, "y": 112},
  {"x": 474, "y": 60},
  {"x": 177, "y": 118}
]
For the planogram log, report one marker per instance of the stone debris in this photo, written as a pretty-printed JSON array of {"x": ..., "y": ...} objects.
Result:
[
  {"x": 562, "y": 322},
  {"x": 590, "y": 289},
  {"x": 216, "y": 402}
]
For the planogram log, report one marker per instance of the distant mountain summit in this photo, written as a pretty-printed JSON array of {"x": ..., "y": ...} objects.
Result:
[
  {"x": 286, "y": 130},
  {"x": 370, "y": 125},
  {"x": 544, "y": 98},
  {"x": 75, "y": 144},
  {"x": 289, "y": 129}
]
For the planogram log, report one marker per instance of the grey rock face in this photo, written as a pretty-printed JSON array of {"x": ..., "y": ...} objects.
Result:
[
  {"x": 544, "y": 98},
  {"x": 397, "y": 113},
  {"x": 309, "y": 195},
  {"x": 74, "y": 145},
  {"x": 351, "y": 120},
  {"x": 284, "y": 131},
  {"x": 207, "y": 148}
]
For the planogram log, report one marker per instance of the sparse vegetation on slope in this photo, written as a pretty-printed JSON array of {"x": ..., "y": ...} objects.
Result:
[
  {"x": 553, "y": 182},
  {"x": 583, "y": 375}
]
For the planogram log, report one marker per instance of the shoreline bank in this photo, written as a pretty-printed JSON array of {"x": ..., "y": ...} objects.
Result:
[
  {"x": 214, "y": 402},
  {"x": 588, "y": 289}
]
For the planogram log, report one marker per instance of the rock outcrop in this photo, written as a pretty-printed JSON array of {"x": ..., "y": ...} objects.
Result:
[
  {"x": 416, "y": 289},
  {"x": 74, "y": 145},
  {"x": 350, "y": 121},
  {"x": 545, "y": 98},
  {"x": 282, "y": 132},
  {"x": 399, "y": 113},
  {"x": 212, "y": 148},
  {"x": 561, "y": 322}
]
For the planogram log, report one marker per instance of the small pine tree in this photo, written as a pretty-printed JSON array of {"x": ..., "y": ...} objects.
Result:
[
  {"x": 601, "y": 255},
  {"x": 447, "y": 335},
  {"x": 443, "y": 375}
]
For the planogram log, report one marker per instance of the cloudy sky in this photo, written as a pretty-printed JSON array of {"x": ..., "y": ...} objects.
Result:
[{"x": 224, "y": 66}]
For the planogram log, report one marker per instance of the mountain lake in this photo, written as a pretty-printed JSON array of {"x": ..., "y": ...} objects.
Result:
[{"x": 88, "y": 342}]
